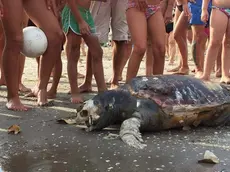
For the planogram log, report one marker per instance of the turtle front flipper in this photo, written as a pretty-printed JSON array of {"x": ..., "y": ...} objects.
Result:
[{"x": 130, "y": 133}]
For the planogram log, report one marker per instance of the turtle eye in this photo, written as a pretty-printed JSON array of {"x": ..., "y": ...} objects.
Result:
[
  {"x": 95, "y": 102},
  {"x": 84, "y": 113}
]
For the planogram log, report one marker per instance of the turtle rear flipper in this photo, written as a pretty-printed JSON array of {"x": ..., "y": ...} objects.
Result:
[{"x": 130, "y": 133}]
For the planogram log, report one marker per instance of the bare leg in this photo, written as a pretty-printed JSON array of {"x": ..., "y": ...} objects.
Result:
[
  {"x": 40, "y": 15},
  {"x": 2, "y": 44},
  {"x": 86, "y": 86},
  {"x": 176, "y": 17},
  {"x": 83, "y": 47},
  {"x": 198, "y": 47},
  {"x": 73, "y": 55},
  {"x": 180, "y": 36},
  {"x": 13, "y": 35},
  {"x": 22, "y": 87},
  {"x": 57, "y": 71},
  {"x": 225, "y": 56},
  {"x": 149, "y": 59},
  {"x": 218, "y": 19},
  {"x": 158, "y": 39},
  {"x": 119, "y": 55},
  {"x": 218, "y": 64},
  {"x": 138, "y": 32},
  {"x": 96, "y": 53},
  {"x": 172, "y": 48},
  {"x": 126, "y": 58}
]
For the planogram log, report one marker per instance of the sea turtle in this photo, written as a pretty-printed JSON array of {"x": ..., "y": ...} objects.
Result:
[{"x": 157, "y": 103}]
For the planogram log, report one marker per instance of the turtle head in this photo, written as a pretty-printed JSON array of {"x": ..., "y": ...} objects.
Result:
[
  {"x": 88, "y": 112},
  {"x": 101, "y": 111}
]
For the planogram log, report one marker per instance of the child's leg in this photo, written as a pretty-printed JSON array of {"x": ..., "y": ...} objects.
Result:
[
  {"x": 96, "y": 53},
  {"x": 138, "y": 32},
  {"x": 73, "y": 53},
  {"x": 217, "y": 19},
  {"x": 167, "y": 45},
  {"x": 149, "y": 59},
  {"x": 2, "y": 44},
  {"x": 83, "y": 47},
  {"x": 119, "y": 52},
  {"x": 198, "y": 47},
  {"x": 180, "y": 36},
  {"x": 218, "y": 64},
  {"x": 86, "y": 86},
  {"x": 226, "y": 56},
  {"x": 172, "y": 48},
  {"x": 57, "y": 71},
  {"x": 157, "y": 36}
]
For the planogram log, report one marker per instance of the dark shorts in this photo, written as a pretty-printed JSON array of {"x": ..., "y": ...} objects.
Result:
[
  {"x": 30, "y": 23},
  {"x": 169, "y": 27}
]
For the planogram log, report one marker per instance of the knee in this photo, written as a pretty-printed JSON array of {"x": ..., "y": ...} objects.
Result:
[
  {"x": 15, "y": 41},
  {"x": 139, "y": 49},
  {"x": 55, "y": 37},
  {"x": 160, "y": 48},
  {"x": 199, "y": 38},
  {"x": 97, "y": 55}
]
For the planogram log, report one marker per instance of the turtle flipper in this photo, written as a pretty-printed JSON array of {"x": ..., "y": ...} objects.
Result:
[{"x": 130, "y": 133}]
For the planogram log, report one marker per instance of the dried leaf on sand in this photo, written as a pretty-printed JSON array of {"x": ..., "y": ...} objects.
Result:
[{"x": 14, "y": 129}]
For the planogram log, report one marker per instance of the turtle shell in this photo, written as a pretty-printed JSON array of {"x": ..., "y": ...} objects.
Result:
[{"x": 178, "y": 92}]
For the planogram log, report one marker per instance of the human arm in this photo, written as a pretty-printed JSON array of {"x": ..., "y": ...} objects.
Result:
[
  {"x": 186, "y": 10},
  {"x": 205, "y": 14},
  {"x": 168, "y": 12},
  {"x": 1, "y": 9},
  {"x": 83, "y": 26}
]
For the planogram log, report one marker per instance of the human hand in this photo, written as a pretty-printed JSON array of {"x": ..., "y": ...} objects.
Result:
[
  {"x": 168, "y": 17},
  {"x": 204, "y": 16},
  {"x": 84, "y": 28},
  {"x": 186, "y": 10},
  {"x": 52, "y": 5}
]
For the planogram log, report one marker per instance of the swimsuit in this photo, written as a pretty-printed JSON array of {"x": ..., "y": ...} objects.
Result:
[
  {"x": 224, "y": 10},
  {"x": 69, "y": 21},
  {"x": 150, "y": 10}
]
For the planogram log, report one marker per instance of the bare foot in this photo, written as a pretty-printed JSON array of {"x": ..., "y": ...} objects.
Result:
[
  {"x": 42, "y": 97},
  {"x": 182, "y": 71},
  {"x": 174, "y": 69},
  {"x": 204, "y": 78},
  {"x": 198, "y": 74},
  {"x": 218, "y": 74},
  {"x": 110, "y": 79},
  {"x": 114, "y": 86},
  {"x": 23, "y": 88},
  {"x": 83, "y": 88},
  {"x": 2, "y": 82},
  {"x": 76, "y": 98},
  {"x": 79, "y": 75},
  {"x": 225, "y": 80},
  {"x": 51, "y": 94},
  {"x": 16, "y": 105},
  {"x": 171, "y": 63},
  {"x": 33, "y": 93}
]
